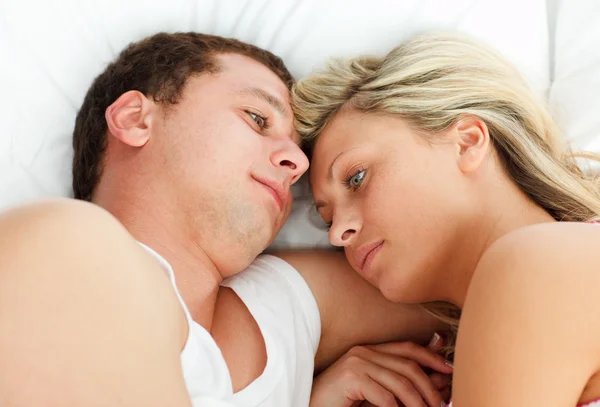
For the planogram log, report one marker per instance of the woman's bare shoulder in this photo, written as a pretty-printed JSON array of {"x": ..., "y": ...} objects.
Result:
[
  {"x": 560, "y": 247},
  {"x": 532, "y": 312}
]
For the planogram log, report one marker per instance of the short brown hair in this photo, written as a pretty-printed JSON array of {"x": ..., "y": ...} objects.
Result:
[{"x": 159, "y": 67}]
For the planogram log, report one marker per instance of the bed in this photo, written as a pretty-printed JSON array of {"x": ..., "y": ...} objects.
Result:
[{"x": 50, "y": 51}]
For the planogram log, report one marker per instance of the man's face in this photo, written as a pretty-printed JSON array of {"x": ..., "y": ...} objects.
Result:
[{"x": 230, "y": 154}]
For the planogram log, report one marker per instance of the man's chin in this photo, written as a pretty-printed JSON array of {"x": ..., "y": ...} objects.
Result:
[{"x": 275, "y": 231}]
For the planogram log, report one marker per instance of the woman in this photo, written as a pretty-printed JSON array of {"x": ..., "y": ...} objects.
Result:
[{"x": 447, "y": 183}]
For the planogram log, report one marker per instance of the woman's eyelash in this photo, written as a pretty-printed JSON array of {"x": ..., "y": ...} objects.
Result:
[
  {"x": 328, "y": 225},
  {"x": 261, "y": 121},
  {"x": 355, "y": 179}
]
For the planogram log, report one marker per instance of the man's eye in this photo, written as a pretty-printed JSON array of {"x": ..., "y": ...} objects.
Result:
[{"x": 258, "y": 119}]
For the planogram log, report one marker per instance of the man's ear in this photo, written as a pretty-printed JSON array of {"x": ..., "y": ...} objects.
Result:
[
  {"x": 129, "y": 118},
  {"x": 473, "y": 140}
]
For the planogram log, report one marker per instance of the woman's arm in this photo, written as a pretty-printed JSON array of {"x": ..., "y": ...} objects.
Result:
[{"x": 530, "y": 328}]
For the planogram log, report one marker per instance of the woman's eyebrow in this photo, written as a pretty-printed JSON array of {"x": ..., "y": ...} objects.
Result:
[
  {"x": 321, "y": 204},
  {"x": 330, "y": 172}
]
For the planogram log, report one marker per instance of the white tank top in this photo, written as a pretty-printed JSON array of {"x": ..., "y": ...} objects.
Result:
[{"x": 288, "y": 317}]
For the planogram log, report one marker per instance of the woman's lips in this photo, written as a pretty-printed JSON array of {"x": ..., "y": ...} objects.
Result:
[{"x": 365, "y": 255}]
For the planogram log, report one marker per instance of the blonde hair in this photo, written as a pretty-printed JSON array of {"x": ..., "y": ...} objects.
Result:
[{"x": 431, "y": 81}]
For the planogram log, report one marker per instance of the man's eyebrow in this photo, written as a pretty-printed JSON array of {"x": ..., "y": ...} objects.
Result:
[{"x": 273, "y": 101}]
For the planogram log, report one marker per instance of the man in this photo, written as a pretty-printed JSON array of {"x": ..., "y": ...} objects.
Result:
[{"x": 187, "y": 142}]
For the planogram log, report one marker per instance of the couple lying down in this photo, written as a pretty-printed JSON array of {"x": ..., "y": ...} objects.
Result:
[{"x": 458, "y": 205}]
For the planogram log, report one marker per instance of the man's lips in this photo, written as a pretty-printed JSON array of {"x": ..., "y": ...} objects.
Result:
[
  {"x": 279, "y": 193},
  {"x": 363, "y": 252}
]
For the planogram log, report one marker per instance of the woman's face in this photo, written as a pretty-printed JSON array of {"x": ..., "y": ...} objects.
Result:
[{"x": 394, "y": 201}]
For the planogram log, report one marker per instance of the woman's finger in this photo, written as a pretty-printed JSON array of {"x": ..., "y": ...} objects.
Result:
[
  {"x": 423, "y": 356},
  {"x": 403, "y": 388},
  {"x": 440, "y": 381},
  {"x": 436, "y": 344},
  {"x": 374, "y": 393},
  {"x": 402, "y": 377},
  {"x": 389, "y": 366}
]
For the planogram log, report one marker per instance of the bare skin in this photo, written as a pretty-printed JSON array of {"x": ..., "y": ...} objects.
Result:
[
  {"x": 80, "y": 329},
  {"x": 456, "y": 228},
  {"x": 188, "y": 181}
]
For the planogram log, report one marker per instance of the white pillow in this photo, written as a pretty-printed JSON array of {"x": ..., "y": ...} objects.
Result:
[
  {"x": 575, "y": 91},
  {"x": 51, "y": 52}
]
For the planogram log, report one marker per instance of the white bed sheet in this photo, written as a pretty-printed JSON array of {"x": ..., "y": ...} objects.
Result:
[{"x": 50, "y": 51}]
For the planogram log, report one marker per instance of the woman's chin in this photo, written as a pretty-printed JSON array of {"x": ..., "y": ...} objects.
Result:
[{"x": 400, "y": 291}]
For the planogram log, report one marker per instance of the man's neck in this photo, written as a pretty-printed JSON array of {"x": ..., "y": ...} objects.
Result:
[{"x": 197, "y": 277}]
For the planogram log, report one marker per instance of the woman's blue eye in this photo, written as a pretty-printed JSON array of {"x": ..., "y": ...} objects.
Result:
[{"x": 355, "y": 180}]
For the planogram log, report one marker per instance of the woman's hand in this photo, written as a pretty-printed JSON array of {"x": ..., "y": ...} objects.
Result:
[{"x": 384, "y": 374}]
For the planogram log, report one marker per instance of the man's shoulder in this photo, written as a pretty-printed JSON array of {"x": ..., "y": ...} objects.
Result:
[
  {"x": 268, "y": 327},
  {"x": 309, "y": 262},
  {"x": 95, "y": 294},
  {"x": 275, "y": 292},
  {"x": 321, "y": 270},
  {"x": 288, "y": 271}
]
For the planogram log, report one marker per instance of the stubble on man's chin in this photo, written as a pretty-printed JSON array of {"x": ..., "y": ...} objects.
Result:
[{"x": 238, "y": 229}]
